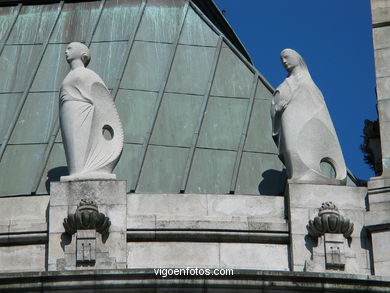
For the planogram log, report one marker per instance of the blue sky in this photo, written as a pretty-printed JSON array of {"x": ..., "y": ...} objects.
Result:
[{"x": 335, "y": 39}]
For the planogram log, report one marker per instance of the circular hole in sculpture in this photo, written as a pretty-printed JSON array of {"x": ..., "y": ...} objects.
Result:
[
  {"x": 108, "y": 132},
  {"x": 327, "y": 168}
]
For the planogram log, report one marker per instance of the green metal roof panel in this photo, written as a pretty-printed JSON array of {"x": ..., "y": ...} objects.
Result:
[
  {"x": 33, "y": 24},
  {"x": 135, "y": 109},
  {"x": 36, "y": 119},
  {"x": 161, "y": 21},
  {"x": 190, "y": 69},
  {"x": 76, "y": 22},
  {"x": 256, "y": 141},
  {"x": 162, "y": 170},
  {"x": 192, "y": 116},
  {"x": 146, "y": 66},
  {"x": 52, "y": 62},
  {"x": 19, "y": 61},
  {"x": 18, "y": 168},
  {"x": 55, "y": 168},
  {"x": 262, "y": 92},
  {"x": 233, "y": 78},
  {"x": 176, "y": 127},
  {"x": 260, "y": 174},
  {"x": 197, "y": 32},
  {"x": 127, "y": 165},
  {"x": 211, "y": 171},
  {"x": 8, "y": 104},
  {"x": 223, "y": 123},
  {"x": 116, "y": 19},
  {"x": 107, "y": 68},
  {"x": 6, "y": 17}
]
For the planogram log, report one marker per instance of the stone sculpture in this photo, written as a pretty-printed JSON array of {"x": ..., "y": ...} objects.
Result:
[
  {"x": 302, "y": 128},
  {"x": 91, "y": 130}
]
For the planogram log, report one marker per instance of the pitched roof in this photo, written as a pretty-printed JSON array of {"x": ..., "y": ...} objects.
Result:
[{"x": 195, "y": 111}]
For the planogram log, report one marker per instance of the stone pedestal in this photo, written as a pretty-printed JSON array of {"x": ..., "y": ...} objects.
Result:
[
  {"x": 308, "y": 254},
  {"x": 87, "y": 248}
]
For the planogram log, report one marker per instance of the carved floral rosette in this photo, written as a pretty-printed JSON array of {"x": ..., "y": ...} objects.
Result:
[
  {"x": 329, "y": 220},
  {"x": 86, "y": 217}
]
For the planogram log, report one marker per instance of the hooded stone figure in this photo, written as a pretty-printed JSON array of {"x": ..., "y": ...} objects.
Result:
[
  {"x": 91, "y": 130},
  {"x": 302, "y": 128}
]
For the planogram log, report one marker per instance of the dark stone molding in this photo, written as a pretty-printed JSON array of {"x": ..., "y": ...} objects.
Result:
[{"x": 148, "y": 281}]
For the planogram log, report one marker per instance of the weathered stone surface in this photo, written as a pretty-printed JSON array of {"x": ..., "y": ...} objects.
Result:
[
  {"x": 91, "y": 130},
  {"x": 312, "y": 196},
  {"x": 380, "y": 11},
  {"x": 383, "y": 87},
  {"x": 172, "y": 254},
  {"x": 202, "y": 206},
  {"x": 378, "y": 183},
  {"x": 379, "y": 201},
  {"x": 257, "y": 206},
  {"x": 198, "y": 254},
  {"x": 28, "y": 225},
  {"x": 302, "y": 128},
  {"x": 379, "y": 35},
  {"x": 106, "y": 192},
  {"x": 24, "y": 208},
  {"x": 178, "y": 204},
  {"x": 254, "y": 256},
  {"x": 22, "y": 258},
  {"x": 382, "y": 61},
  {"x": 381, "y": 253},
  {"x": 374, "y": 218}
]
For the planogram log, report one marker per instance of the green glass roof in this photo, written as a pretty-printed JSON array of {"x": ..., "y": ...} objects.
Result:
[{"x": 195, "y": 111}]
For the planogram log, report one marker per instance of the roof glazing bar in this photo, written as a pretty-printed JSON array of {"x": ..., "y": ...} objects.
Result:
[
  {"x": 8, "y": 33},
  {"x": 244, "y": 133},
  {"x": 130, "y": 44},
  {"x": 158, "y": 101},
  {"x": 29, "y": 83},
  {"x": 202, "y": 112},
  {"x": 232, "y": 47}
]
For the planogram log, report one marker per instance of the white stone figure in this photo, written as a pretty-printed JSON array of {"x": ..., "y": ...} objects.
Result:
[
  {"x": 91, "y": 130},
  {"x": 302, "y": 128}
]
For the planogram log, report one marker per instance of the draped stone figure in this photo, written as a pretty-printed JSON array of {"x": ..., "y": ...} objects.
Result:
[
  {"x": 302, "y": 128},
  {"x": 91, "y": 130}
]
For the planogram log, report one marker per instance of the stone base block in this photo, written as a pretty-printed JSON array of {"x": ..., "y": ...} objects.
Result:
[
  {"x": 86, "y": 248},
  {"x": 309, "y": 254}
]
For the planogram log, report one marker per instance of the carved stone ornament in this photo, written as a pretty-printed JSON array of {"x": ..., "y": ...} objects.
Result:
[
  {"x": 329, "y": 220},
  {"x": 87, "y": 217}
]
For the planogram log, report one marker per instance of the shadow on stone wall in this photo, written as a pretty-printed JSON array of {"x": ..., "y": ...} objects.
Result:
[
  {"x": 273, "y": 182},
  {"x": 55, "y": 175}
]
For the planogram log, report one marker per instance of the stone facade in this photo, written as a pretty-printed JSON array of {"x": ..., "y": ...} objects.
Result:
[{"x": 259, "y": 230}]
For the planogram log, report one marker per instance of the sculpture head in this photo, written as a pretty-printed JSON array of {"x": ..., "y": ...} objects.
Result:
[
  {"x": 291, "y": 60},
  {"x": 77, "y": 51}
]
